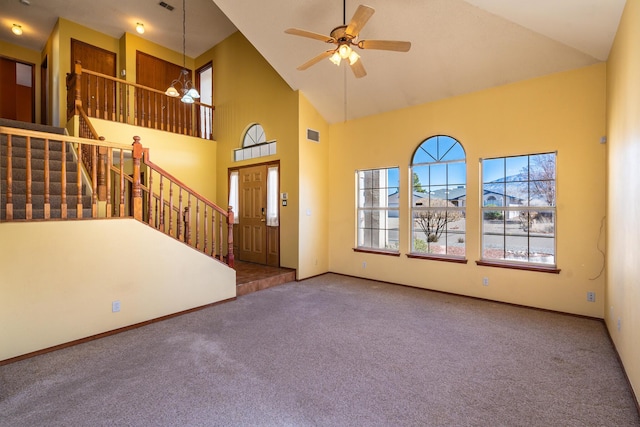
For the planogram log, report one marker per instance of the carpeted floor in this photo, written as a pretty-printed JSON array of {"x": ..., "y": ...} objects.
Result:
[{"x": 332, "y": 351}]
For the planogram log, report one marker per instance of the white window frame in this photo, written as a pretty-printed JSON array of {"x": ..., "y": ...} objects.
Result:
[
  {"x": 368, "y": 212},
  {"x": 532, "y": 210}
]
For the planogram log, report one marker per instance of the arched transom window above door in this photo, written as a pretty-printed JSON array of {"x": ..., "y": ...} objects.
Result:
[{"x": 254, "y": 144}]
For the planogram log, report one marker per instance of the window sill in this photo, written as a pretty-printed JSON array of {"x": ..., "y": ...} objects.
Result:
[
  {"x": 437, "y": 258},
  {"x": 515, "y": 266},
  {"x": 377, "y": 252}
]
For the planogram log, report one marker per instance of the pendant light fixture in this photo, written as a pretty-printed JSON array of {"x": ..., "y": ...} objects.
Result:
[{"x": 187, "y": 91}]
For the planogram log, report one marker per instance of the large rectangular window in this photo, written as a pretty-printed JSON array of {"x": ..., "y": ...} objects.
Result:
[
  {"x": 377, "y": 196},
  {"x": 519, "y": 209}
]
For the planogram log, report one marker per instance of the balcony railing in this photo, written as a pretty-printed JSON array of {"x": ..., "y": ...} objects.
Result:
[{"x": 113, "y": 99}]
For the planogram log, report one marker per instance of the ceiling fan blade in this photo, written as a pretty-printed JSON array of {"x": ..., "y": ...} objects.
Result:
[
  {"x": 309, "y": 34},
  {"x": 396, "y": 45},
  {"x": 362, "y": 15},
  {"x": 315, "y": 60},
  {"x": 358, "y": 69}
]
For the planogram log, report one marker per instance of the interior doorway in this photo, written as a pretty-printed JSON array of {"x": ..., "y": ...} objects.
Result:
[
  {"x": 17, "y": 81},
  {"x": 257, "y": 230}
]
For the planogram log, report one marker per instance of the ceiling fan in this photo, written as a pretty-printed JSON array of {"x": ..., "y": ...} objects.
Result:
[{"x": 345, "y": 38}]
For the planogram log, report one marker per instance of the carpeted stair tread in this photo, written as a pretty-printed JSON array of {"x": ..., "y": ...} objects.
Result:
[{"x": 32, "y": 126}]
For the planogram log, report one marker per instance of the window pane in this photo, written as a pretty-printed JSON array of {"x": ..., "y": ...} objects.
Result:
[
  {"x": 492, "y": 170},
  {"x": 438, "y": 174},
  {"x": 456, "y": 173},
  {"x": 378, "y": 190},
  {"x": 528, "y": 234}
]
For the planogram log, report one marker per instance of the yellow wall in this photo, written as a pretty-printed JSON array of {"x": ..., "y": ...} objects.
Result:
[
  {"x": 191, "y": 160},
  {"x": 622, "y": 313},
  {"x": 313, "y": 240},
  {"x": 563, "y": 112},
  {"x": 30, "y": 56},
  {"x": 67, "y": 294},
  {"x": 248, "y": 90}
]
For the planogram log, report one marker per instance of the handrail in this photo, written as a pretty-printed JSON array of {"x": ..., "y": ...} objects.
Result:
[
  {"x": 128, "y": 83},
  {"x": 89, "y": 125},
  {"x": 161, "y": 201}
]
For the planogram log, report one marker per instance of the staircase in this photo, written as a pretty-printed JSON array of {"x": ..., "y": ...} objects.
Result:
[{"x": 19, "y": 175}]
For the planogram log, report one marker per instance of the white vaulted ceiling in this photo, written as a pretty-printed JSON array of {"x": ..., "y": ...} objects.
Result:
[{"x": 458, "y": 46}]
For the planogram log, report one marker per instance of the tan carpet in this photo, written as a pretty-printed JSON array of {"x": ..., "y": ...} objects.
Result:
[{"x": 332, "y": 351}]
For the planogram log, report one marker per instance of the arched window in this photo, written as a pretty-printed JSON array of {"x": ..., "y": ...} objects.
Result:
[
  {"x": 254, "y": 144},
  {"x": 439, "y": 192}
]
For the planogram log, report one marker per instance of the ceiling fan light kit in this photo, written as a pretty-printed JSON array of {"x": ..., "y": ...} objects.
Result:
[{"x": 344, "y": 37}]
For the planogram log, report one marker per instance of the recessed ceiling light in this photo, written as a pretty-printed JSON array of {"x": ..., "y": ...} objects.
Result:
[{"x": 17, "y": 29}]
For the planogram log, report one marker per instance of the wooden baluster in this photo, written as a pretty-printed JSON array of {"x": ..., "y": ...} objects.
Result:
[
  {"x": 87, "y": 84},
  {"x": 180, "y": 216},
  {"x": 230, "y": 221},
  {"x": 102, "y": 172},
  {"x": 161, "y": 214},
  {"x": 187, "y": 220},
  {"x": 205, "y": 231},
  {"x": 150, "y": 200},
  {"x": 136, "y": 113},
  {"x": 97, "y": 100},
  {"x": 155, "y": 104},
  {"x": 121, "y": 97},
  {"x": 121, "y": 210},
  {"x": 47, "y": 177},
  {"x": 137, "y": 184},
  {"x": 149, "y": 116},
  {"x": 197, "y": 224},
  {"x": 29, "y": 206},
  {"x": 214, "y": 216},
  {"x": 94, "y": 178},
  {"x": 109, "y": 196},
  {"x": 220, "y": 241},
  {"x": 63, "y": 182},
  {"x": 171, "y": 208},
  {"x": 79, "y": 185},
  {"x": 188, "y": 230},
  {"x": 106, "y": 97},
  {"x": 9, "y": 205}
]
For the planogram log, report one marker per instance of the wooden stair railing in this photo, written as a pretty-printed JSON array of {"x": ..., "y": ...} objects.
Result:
[
  {"x": 41, "y": 180},
  {"x": 118, "y": 100},
  {"x": 194, "y": 219}
]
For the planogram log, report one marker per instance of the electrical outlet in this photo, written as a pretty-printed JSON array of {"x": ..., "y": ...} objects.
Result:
[
  {"x": 115, "y": 306},
  {"x": 364, "y": 264},
  {"x": 485, "y": 281},
  {"x": 619, "y": 324},
  {"x": 591, "y": 296}
]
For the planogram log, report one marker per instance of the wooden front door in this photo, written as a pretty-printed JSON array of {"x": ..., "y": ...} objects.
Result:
[{"x": 253, "y": 214}]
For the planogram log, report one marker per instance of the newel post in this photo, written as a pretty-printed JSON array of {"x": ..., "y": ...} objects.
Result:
[
  {"x": 137, "y": 186},
  {"x": 230, "y": 221}
]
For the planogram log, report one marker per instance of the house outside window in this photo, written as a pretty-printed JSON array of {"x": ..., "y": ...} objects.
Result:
[
  {"x": 439, "y": 193},
  {"x": 378, "y": 212},
  {"x": 519, "y": 209}
]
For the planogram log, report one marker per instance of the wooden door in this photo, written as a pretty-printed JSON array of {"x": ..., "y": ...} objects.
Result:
[
  {"x": 17, "y": 94},
  {"x": 156, "y": 73},
  {"x": 253, "y": 214},
  {"x": 98, "y": 96}
]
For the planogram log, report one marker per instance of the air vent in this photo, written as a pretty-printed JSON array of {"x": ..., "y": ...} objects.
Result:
[
  {"x": 313, "y": 135},
  {"x": 166, "y": 6}
]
